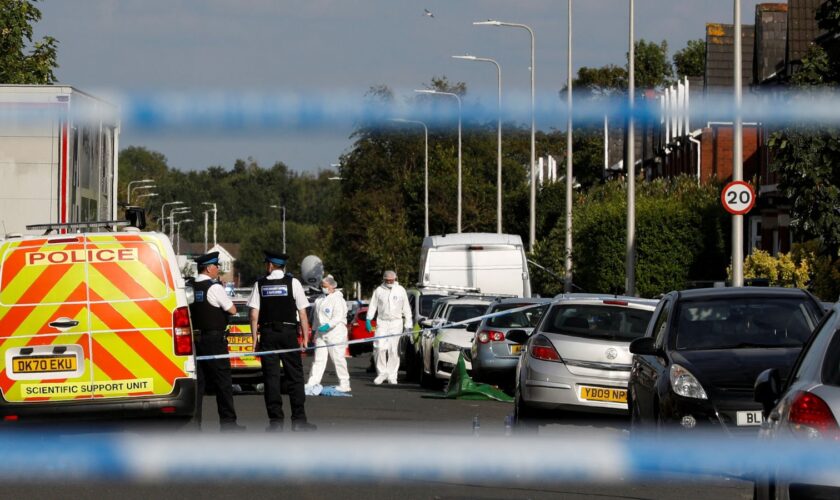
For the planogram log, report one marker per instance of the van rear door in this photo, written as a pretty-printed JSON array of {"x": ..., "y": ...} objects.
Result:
[{"x": 44, "y": 322}]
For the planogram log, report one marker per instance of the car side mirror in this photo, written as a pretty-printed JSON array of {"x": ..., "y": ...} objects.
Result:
[
  {"x": 518, "y": 336},
  {"x": 645, "y": 346},
  {"x": 472, "y": 327},
  {"x": 767, "y": 389}
]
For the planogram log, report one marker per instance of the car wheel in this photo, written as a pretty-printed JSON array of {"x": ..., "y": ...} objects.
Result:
[
  {"x": 524, "y": 417},
  {"x": 637, "y": 426},
  {"x": 428, "y": 381}
]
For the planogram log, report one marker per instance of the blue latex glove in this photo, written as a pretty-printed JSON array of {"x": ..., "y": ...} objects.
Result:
[
  {"x": 324, "y": 327},
  {"x": 369, "y": 326}
]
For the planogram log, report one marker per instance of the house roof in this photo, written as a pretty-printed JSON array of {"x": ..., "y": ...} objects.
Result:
[
  {"x": 720, "y": 60},
  {"x": 802, "y": 30},
  {"x": 770, "y": 41}
]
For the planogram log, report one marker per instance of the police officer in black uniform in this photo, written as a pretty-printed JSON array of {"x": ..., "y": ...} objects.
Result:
[
  {"x": 209, "y": 313},
  {"x": 278, "y": 304}
]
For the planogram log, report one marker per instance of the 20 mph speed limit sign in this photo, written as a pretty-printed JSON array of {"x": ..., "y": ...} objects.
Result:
[{"x": 737, "y": 197}]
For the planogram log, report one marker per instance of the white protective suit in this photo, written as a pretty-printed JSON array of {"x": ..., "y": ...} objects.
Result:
[
  {"x": 330, "y": 310},
  {"x": 393, "y": 315}
]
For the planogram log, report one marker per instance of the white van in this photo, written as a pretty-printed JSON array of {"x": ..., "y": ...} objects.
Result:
[{"x": 489, "y": 263}]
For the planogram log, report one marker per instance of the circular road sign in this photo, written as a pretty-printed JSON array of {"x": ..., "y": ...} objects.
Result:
[{"x": 738, "y": 197}]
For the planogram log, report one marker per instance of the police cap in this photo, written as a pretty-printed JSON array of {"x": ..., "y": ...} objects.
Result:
[
  {"x": 278, "y": 259},
  {"x": 207, "y": 259}
]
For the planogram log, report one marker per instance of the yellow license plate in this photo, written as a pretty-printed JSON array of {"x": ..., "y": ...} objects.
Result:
[
  {"x": 515, "y": 348},
  {"x": 608, "y": 394},
  {"x": 240, "y": 339},
  {"x": 43, "y": 364}
]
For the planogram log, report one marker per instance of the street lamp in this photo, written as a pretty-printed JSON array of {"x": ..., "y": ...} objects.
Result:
[
  {"x": 570, "y": 178},
  {"x": 146, "y": 195},
  {"x": 135, "y": 188},
  {"x": 533, "y": 231},
  {"x": 437, "y": 92},
  {"x": 172, "y": 214},
  {"x": 214, "y": 219},
  {"x": 128, "y": 187},
  {"x": 283, "y": 208},
  {"x": 737, "y": 155},
  {"x": 498, "y": 139},
  {"x": 163, "y": 215},
  {"x": 630, "y": 266},
  {"x": 426, "y": 168},
  {"x": 178, "y": 230}
]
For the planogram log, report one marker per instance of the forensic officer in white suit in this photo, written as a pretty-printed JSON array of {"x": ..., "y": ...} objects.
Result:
[
  {"x": 389, "y": 305},
  {"x": 330, "y": 329}
]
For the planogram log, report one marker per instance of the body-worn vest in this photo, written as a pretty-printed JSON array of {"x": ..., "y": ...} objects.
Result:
[
  {"x": 277, "y": 301},
  {"x": 205, "y": 316}
]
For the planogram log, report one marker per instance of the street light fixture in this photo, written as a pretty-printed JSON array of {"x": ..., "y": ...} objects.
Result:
[
  {"x": 178, "y": 229},
  {"x": 283, "y": 208},
  {"x": 172, "y": 214},
  {"x": 426, "y": 168},
  {"x": 135, "y": 188},
  {"x": 498, "y": 139},
  {"x": 458, "y": 98},
  {"x": 533, "y": 230},
  {"x": 162, "y": 224},
  {"x": 128, "y": 187},
  {"x": 214, "y": 219},
  {"x": 146, "y": 195}
]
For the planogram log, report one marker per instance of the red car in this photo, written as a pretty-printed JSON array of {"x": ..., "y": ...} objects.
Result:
[{"x": 357, "y": 329}]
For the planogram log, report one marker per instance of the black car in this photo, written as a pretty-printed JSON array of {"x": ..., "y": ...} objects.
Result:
[{"x": 696, "y": 365}]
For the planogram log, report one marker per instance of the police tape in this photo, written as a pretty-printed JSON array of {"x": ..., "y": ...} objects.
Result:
[
  {"x": 366, "y": 340},
  {"x": 591, "y": 456}
]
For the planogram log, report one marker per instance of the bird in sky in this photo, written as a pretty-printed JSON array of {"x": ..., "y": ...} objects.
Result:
[{"x": 428, "y": 13}]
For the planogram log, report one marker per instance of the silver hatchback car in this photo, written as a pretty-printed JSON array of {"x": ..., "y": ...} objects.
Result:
[
  {"x": 494, "y": 357},
  {"x": 578, "y": 356},
  {"x": 803, "y": 411}
]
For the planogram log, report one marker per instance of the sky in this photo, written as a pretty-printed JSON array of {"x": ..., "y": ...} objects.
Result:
[{"x": 334, "y": 50}]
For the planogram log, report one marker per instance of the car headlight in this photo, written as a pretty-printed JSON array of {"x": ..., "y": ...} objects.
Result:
[
  {"x": 447, "y": 347},
  {"x": 685, "y": 384}
]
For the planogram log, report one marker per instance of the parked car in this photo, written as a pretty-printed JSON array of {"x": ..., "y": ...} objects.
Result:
[
  {"x": 494, "y": 356},
  {"x": 696, "y": 365},
  {"x": 357, "y": 329},
  {"x": 578, "y": 356},
  {"x": 804, "y": 410},
  {"x": 440, "y": 348},
  {"x": 422, "y": 301}
]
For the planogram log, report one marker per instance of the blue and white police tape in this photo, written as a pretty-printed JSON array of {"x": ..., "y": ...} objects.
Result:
[
  {"x": 330, "y": 456},
  {"x": 366, "y": 340}
]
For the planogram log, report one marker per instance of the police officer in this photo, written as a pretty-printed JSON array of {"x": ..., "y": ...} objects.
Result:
[
  {"x": 209, "y": 313},
  {"x": 278, "y": 304}
]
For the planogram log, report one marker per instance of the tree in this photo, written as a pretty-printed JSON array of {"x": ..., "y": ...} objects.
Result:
[
  {"x": 691, "y": 61},
  {"x": 21, "y": 60},
  {"x": 652, "y": 69},
  {"x": 601, "y": 81}
]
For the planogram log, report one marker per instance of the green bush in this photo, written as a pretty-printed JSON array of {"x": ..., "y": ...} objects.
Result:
[{"x": 680, "y": 237}]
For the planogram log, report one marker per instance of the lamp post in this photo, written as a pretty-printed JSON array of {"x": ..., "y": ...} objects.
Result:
[
  {"x": 630, "y": 266},
  {"x": 146, "y": 195},
  {"x": 178, "y": 231},
  {"x": 162, "y": 225},
  {"x": 172, "y": 214},
  {"x": 128, "y": 188},
  {"x": 498, "y": 139},
  {"x": 437, "y": 92},
  {"x": 425, "y": 169},
  {"x": 533, "y": 231},
  {"x": 135, "y": 188},
  {"x": 214, "y": 219},
  {"x": 283, "y": 208},
  {"x": 737, "y": 156},
  {"x": 570, "y": 179}
]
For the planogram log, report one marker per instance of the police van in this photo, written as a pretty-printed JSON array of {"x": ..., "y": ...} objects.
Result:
[{"x": 94, "y": 323}]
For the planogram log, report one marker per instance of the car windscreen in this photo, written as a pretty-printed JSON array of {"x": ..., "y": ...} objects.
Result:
[
  {"x": 427, "y": 304},
  {"x": 461, "y": 312},
  {"x": 607, "y": 322},
  {"x": 744, "y": 322},
  {"x": 241, "y": 317},
  {"x": 520, "y": 319}
]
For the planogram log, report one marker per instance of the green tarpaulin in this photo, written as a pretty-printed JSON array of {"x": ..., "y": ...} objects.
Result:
[{"x": 462, "y": 386}]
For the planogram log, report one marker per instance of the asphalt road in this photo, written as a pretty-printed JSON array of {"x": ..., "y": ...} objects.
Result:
[{"x": 368, "y": 420}]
